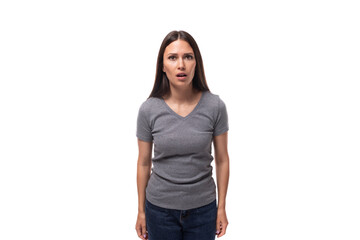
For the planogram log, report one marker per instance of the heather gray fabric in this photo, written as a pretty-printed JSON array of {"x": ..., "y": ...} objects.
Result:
[{"x": 181, "y": 175}]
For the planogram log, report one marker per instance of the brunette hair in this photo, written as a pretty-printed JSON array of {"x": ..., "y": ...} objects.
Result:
[{"x": 161, "y": 84}]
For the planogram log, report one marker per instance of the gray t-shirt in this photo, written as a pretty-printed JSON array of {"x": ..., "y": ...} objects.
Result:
[{"x": 181, "y": 176}]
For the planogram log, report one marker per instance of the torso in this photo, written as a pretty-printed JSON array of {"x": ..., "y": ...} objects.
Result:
[{"x": 181, "y": 176}]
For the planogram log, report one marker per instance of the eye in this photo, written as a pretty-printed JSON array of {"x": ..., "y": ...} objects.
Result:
[
  {"x": 172, "y": 57},
  {"x": 189, "y": 57}
]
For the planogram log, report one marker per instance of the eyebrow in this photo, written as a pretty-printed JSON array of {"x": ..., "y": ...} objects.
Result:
[{"x": 184, "y": 54}]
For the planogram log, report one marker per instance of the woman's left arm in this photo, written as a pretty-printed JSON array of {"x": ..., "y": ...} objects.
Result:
[{"x": 222, "y": 177}]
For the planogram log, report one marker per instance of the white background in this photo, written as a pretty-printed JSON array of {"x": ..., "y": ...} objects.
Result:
[{"x": 74, "y": 73}]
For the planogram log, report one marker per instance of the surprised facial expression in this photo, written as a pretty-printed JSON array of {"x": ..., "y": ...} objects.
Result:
[{"x": 179, "y": 62}]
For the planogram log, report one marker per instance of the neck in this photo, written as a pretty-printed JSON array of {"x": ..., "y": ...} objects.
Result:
[{"x": 185, "y": 95}]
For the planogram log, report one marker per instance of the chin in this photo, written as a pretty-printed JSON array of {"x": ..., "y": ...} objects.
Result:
[{"x": 181, "y": 83}]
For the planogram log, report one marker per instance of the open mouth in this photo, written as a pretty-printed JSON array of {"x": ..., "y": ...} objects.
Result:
[{"x": 181, "y": 75}]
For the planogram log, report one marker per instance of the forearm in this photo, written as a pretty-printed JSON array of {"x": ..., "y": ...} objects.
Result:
[
  {"x": 143, "y": 174},
  {"x": 222, "y": 177}
]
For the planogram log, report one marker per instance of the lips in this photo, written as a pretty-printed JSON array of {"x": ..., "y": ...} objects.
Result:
[{"x": 181, "y": 75}]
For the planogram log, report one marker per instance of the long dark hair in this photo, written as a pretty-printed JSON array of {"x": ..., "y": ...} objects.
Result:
[{"x": 162, "y": 85}]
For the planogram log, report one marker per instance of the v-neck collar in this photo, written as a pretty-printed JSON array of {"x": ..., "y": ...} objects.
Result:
[{"x": 191, "y": 113}]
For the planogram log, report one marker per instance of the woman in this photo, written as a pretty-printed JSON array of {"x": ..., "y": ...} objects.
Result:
[{"x": 177, "y": 199}]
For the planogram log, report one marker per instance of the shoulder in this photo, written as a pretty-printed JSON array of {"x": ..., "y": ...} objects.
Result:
[
  {"x": 213, "y": 99},
  {"x": 149, "y": 105}
]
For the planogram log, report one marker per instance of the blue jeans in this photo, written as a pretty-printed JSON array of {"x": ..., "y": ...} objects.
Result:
[{"x": 169, "y": 224}]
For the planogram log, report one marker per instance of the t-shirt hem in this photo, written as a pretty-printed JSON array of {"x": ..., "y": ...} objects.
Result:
[
  {"x": 221, "y": 131},
  {"x": 181, "y": 207},
  {"x": 144, "y": 138}
]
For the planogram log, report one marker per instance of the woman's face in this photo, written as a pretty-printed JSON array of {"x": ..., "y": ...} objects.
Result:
[{"x": 179, "y": 63}]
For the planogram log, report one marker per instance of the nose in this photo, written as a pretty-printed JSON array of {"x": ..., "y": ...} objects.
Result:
[{"x": 181, "y": 64}]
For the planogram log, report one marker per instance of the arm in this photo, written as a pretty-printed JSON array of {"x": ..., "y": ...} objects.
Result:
[
  {"x": 143, "y": 174},
  {"x": 222, "y": 177}
]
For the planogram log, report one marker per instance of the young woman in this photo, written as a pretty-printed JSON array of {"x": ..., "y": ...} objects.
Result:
[{"x": 177, "y": 199}]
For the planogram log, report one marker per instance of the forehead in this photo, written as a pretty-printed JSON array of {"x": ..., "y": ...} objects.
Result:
[{"x": 179, "y": 46}]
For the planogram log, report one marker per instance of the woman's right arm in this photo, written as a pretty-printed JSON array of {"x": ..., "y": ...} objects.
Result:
[{"x": 143, "y": 174}]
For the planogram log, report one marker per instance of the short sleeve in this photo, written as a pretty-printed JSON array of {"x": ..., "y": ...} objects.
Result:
[
  {"x": 221, "y": 122},
  {"x": 143, "y": 129}
]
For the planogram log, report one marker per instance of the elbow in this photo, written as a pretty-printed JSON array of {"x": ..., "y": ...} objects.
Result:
[
  {"x": 222, "y": 160},
  {"x": 144, "y": 162}
]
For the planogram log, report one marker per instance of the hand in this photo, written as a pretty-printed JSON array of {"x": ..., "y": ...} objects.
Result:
[
  {"x": 221, "y": 222},
  {"x": 141, "y": 226}
]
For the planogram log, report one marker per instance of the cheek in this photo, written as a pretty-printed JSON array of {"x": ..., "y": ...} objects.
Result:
[
  {"x": 194, "y": 67},
  {"x": 168, "y": 71},
  {"x": 167, "y": 67}
]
